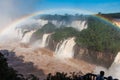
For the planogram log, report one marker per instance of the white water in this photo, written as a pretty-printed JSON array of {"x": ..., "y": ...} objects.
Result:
[
  {"x": 79, "y": 25},
  {"x": 45, "y": 40},
  {"x": 65, "y": 49},
  {"x": 14, "y": 32},
  {"x": 117, "y": 59},
  {"x": 114, "y": 69},
  {"x": 42, "y": 22},
  {"x": 10, "y": 35},
  {"x": 27, "y": 37}
]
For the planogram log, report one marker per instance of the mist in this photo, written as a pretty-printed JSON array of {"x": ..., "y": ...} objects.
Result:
[{"x": 10, "y": 10}]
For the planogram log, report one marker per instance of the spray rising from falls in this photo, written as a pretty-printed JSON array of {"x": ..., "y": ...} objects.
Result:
[
  {"x": 79, "y": 25},
  {"x": 114, "y": 70},
  {"x": 65, "y": 49},
  {"x": 45, "y": 40},
  {"x": 11, "y": 34},
  {"x": 27, "y": 37}
]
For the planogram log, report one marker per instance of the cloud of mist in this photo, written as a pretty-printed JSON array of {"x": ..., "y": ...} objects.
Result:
[{"x": 13, "y": 9}]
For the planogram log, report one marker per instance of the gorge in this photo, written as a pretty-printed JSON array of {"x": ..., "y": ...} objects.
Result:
[{"x": 81, "y": 37}]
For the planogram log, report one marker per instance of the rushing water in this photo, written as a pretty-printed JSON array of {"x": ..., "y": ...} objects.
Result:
[
  {"x": 27, "y": 37},
  {"x": 45, "y": 40},
  {"x": 65, "y": 49}
]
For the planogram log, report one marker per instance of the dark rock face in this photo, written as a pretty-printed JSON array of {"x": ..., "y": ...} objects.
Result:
[
  {"x": 103, "y": 59},
  {"x": 99, "y": 58},
  {"x": 52, "y": 44},
  {"x": 35, "y": 37}
]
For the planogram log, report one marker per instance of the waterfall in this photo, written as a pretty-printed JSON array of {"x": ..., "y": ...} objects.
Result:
[
  {"x": 20, "y": 33},
  {"x": 27, "y": 37},
  {"x": 114, "y": 70},
  {"x": 65, "y": 49},
  {"x": 45, "y": 40},
  {"x": 117, "y": 59},
  {"x": 79, "y": 25}
]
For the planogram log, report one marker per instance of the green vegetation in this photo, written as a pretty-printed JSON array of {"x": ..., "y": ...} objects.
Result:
[
  {"x": 64, "y": 33},
  {"x": 8, "y": 73},
  {"x": 100, "y": 36},
  {"x": 66, "y": 17},
  {"x": 111, "y": 15},
  {"x": 47, "y": 28}
]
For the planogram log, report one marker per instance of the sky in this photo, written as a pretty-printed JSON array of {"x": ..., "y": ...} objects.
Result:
[
  {"x": 105, "y": 6},
  {"x": 13, "y": 9}
]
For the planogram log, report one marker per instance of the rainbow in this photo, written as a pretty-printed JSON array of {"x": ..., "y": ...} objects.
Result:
[
  {"x": 106, "y": 20},
  {"x": 24, "y": 18}
]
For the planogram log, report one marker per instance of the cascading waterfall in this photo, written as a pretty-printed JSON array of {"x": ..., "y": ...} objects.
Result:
[
  {"x": 117, "y": 59},
  {"x": 12, "y": 34},
  {"x": 45, "y": 40},
  {"x": 79, "y": 25},
  {"x": 20, "y": 33},
  {"x": 65, "y": 49},
  {"x": 27, "y": 37},
  {"x": 114, "y": 70}
]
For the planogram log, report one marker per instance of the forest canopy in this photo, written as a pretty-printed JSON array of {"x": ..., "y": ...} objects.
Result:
[{"x": 99, "y": 36}]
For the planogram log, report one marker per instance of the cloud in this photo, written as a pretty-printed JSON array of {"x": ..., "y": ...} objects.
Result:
[{"x": 12, "y": 9}]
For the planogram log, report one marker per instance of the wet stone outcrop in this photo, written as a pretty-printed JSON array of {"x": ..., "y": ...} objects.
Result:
[{"x": 104, "y": 59}]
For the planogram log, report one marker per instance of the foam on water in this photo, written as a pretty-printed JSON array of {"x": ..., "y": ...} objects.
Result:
[{"x": 65, "y": 49}]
